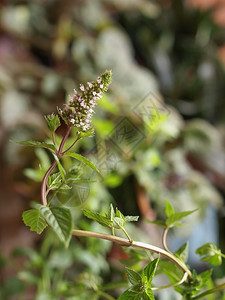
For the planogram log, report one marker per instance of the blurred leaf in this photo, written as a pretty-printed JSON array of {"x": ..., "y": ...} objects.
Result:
[
  {"x": 37, "y": 144},
  {"x": 210, "y": 253},
  {"x": 182, "y": 252},
  {"x": 169, "y": 209},
  {"x": 34, "y": 220},
  {"x": 82, "y": 159},
  {"x": 133, "y": 276},
  {"x": 174, "y": 219},
  {"x": 53, "y": 122},
  {"x": 98, "y": 218}
]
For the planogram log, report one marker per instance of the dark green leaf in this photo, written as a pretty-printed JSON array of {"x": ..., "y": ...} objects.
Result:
[
  {"x": 174, "y": 219},
  {"x": 98, "y": 218},
  {"x": 169, "y": 209},
  {"x": 148, "y": 295},
  {"x": 210, "y": 253},
  {"x": 34, "y": 220},
  {"x": 60, "y": 219},
  {"x": 149, "y": 271},
  {"x": 37, "y": 144},
  {"x": 131, "y": 295},
  {"x": 133, "y": 277},
  {"x": 61, "y": 169},
  {"x": 82, "y": 159},
  {"x": 182, "y": 252},
  {"x": 53, "y": 122}
]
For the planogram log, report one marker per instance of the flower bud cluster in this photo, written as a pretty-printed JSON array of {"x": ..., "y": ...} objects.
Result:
[{"x": 79, "y": 111}]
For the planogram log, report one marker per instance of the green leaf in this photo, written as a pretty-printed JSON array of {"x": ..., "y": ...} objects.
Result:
[
  {"x": 37, "y": 144},
  {"x": 131, "y": 218},
  {"x": 148, "y": 295},
  {"x": 60, "y": 219},
  {"x": 149, "y": 271},
  {"x": 61, "y": 169},
  {"x": 88, "y": 133},
  {"x": 82, "y": 159},
  {"x": 211, "y": 254},
  {"x": 131, "y": 295},
  {"x": 34, "y": 220},
  {"x": 98, "y": 218},
  {"x": 174, "y": 219},
  {"x": 53, "y": 122},
  {"x": 133, "y": 276},
  {"x": 169, "y": 209},
  {"x": 182, "y": 252}
]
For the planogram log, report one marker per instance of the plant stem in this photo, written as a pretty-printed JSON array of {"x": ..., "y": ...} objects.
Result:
[
  {"x": 211, "y": 291},
  {"x": 135, "y": 244},
  {"x": 52, "y": 167},
  {"x": 164, "y": 239}
]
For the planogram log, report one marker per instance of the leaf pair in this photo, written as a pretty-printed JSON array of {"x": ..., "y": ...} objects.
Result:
[
  {"x": 59, "y": 218},
  {"x": 141, "y": 284}
]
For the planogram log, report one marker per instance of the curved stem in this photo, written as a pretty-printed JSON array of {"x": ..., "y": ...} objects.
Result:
[
  {"x": 135, "y": 244},
  {"x": 173, "y": 284},
  {"x": 165, "y": 231}
]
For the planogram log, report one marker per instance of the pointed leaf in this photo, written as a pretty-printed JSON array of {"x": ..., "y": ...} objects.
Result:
[
  {"x": 174, "y": 219},
  {"x": 131, "y": 218},
  {"x": 82, "y": 159},
  {"x": 182, "y": 252},
  {"x": 211, "y": 254},
  {"x": 37, "y": 144},
  {"x": 34, "y": 219},
  {"x": 53, "y": 122},
  {"x": 60, "y": 219},
  {"x": 169, "y": 209},
  {"x": 149, "y": 270},
  {"x": 98, "y": 218},
  {"x": 61, "y": 169},
  {"x": 159, "y": 223},
  {"x": 131, "y": 295},
  {"x": 148, "y": 295},
  {"x": 133, "y": 276}
]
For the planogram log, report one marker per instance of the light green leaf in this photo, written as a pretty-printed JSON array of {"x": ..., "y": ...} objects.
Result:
[
  {"x": 60, "y": 219},
  {"x": 159, "y": 223},
  {"x": 37, "y": 144},
  {"x": 149, "y": 271},
  {"x": 148, "y": 295},
  {"x": 174, "y": 219},
  {"x": 133, "y": 276},
  {"x": 53, "y": 122},
  {"x": 131, "y": 218},
  {"x": 82, "y": 159},
  {"x": 98, "y": 218},
  {"x": 211, "y": 254},
  {"x": 169, "y": 209},
  {"x": 182, "y": 252},
  {"x": 61, "y": 169},
  {"x": 34, "y": 220}
]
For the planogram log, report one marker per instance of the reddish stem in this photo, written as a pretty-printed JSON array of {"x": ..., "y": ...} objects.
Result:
[{"x": 54, "y": 164}]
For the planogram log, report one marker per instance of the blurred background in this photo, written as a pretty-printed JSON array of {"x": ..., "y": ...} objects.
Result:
[{"x": 160, "y": 130}]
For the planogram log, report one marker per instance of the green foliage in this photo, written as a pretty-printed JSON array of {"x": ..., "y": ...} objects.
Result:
[
  {"x": 38, "y": 144},
  {"x": 83, "y": 160},
  {"x": 53, "y": 122},
  {"x": 34, "y": 219},
  {"x": 210, "y": 253},
  {"x": 141, "y": 284}
]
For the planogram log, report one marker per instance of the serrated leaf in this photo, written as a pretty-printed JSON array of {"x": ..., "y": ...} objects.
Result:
[
  {"x": 37, "y": 144},
  {"x": 174, "y": 219},
  {"x": 98, "y": 218},
  {"x": 182, "y": 252},
  {"x": 149, "y": 271},
  {"x": 60, "y": 219},
  {"x": 211, "y": 254},
  {"x": 169, "y": 209},
  {"x": 34, "y": 220},
  {"x": 131, "y": 295},
  {"x": 159, "y": 223},
  {"x": 133, "y": 276},
  {"x": 53, "y": 122},
  {"x": 131, "y": 218},
  {"x": 82, "y": 159},
  {"x": 148, "y": 295},
  {"x": 118, "y": 223}
]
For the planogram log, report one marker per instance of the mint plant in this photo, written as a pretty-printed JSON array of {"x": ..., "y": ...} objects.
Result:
[{"x": 77, "y": 115}]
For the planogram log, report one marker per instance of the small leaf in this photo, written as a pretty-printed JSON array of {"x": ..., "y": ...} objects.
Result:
[
  {"x": 34, "y": 220},
  {"x": 53, "y": 122},
  {"x": 210, "y": 253},
  {"x": 61, "y": 169},
  {"x": 88, "y": 133},
  {"x": 133, "y": 276},
  {"x": 131, "y": 218},
  {"x": 82, "y": 159},
  {"x": 149, "y": 271},
  {"x": 169, "y": 209},
  {"x": 174, "y": 219},
  {"x": 97, "y": 217},
  {"x": 60, "y": 219},
  {"x": 182, "y": 252},
  {"x": 37, "y": 144}
]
